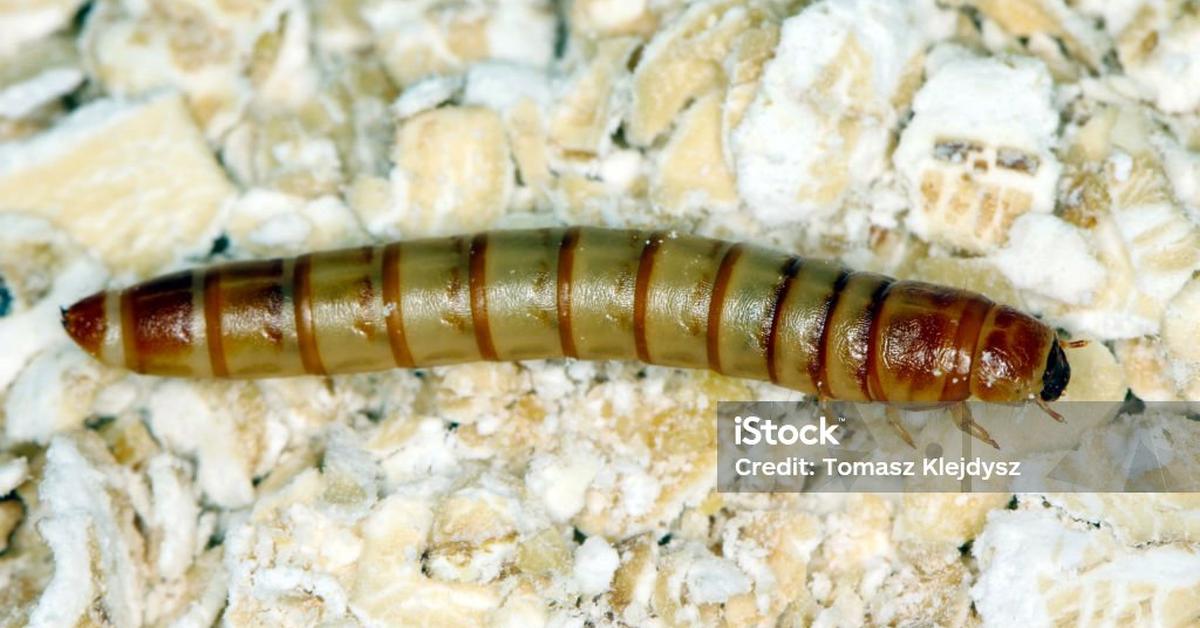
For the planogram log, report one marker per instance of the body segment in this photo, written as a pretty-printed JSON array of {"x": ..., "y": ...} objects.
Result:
[{"x": 591, "y": 293}]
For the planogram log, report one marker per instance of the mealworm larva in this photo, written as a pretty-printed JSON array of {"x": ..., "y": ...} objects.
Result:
[{"x": 589, "y": 293}]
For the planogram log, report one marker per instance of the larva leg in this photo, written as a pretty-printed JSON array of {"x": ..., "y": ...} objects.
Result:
[
  {"x": 825, "y": 407},
  {"x": 893, "y": 418},
  {"x": 962, "y": 417}
]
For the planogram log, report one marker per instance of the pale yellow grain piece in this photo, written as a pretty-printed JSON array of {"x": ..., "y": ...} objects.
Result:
[
  {"x": 944, "y": 517},
  {"x": 633, "y": 582},
  {"x": 692, "y": 172},
  {"x": 528, "y": 136},
  {"x": 544, "y": 554},
  {"x": 683, "y": 61},
  {"x": 751, "y": 51},
  {"x": 136, "y": 183},
  {"x": 1147, "y": 369},
  {"x": 975, "y": 274},
  {"x": 611, "y": 18},
  {"x": 458, "y": 168},
  {"x": 1137, "y": 519},
  {"x": 1095, "y": 374},
  {"x": 585, "y": 113}
]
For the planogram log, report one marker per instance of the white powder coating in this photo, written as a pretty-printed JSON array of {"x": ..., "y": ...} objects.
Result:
[
  {"x": 176, "y": 513},
  {"x": 1019, "y": 548},
  {"x": 1050, "y": 258},
  {"x": 19, "y": 100},
  {"x": 713, "y": 580},
  {"x": 66, "y": 596},
  {"x": 1170, "y": 76},
  {"x": 500, "y": 85},
  {"x": 838, "y": 64},
  {"x": 561, "y": 482},
  {"x": 81, "y": 526},
  {"x": 27, "y": 332},
  {"x": 427, "y": 94},
  {"x": 595, "y": 563},
  {"x": 610, "y": 14},
  {"x": 1031, "y": 561},
  {"x": 1121, "y": 164},
  {"x": 523, "y": 31},
  {"x": 32, "y": 415},
  {"x": 1183, "y": 168},
  {"x": 997, "y": 104},
  {"x": 174, "y": 410}
]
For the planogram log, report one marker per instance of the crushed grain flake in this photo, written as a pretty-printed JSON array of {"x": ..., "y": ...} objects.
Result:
[
  {"x": 88, "y": 176},
  {"x": 978, "y": 151},
  {"x": 826, "y": 108}
]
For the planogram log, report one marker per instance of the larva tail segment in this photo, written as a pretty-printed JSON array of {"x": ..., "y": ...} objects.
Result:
[
  {"x": 961, "y": 414},
  {"x": 85, "y": 322}
]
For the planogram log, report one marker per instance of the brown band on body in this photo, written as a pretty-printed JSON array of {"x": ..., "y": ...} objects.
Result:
[
  {"x": 717, "y": 303},
  {"x": 817, "y": 367},
  {"x": 392, "y": 306},
  {"x": 306, "y": 335},
  {"x": 133, "y": 359},
  {"x": 642, "y": 290},
  {"x": 966, "y": 338},
  {"x": 869, "y": 372},
  {"x": 212, "y": 322},
  {"x": 161, "y": 321},
  {"x": 477, "y": 281},
  {"x": 566, "y": 266},
  {"x": 789, "y": 272}
]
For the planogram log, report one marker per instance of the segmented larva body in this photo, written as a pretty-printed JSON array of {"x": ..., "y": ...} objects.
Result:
[{"x": 589, "y": 293}]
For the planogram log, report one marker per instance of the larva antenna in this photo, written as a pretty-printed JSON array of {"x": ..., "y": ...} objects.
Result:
[
  {"x": 962, "y": 416},
  {"x": 1074, "y": 344},
  {"x": 1048, "y": 410}
]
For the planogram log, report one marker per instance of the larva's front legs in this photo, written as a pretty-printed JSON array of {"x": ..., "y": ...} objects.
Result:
[{"x": 961, "y": 413}]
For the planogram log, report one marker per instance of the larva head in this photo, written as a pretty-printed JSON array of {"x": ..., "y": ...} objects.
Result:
[
  {"x": 1017, "y": 357},
  {"x": 1057, "y": 373}
]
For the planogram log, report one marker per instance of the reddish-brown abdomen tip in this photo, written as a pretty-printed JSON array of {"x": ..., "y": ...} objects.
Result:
[{"x": 85, "y": 323}]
